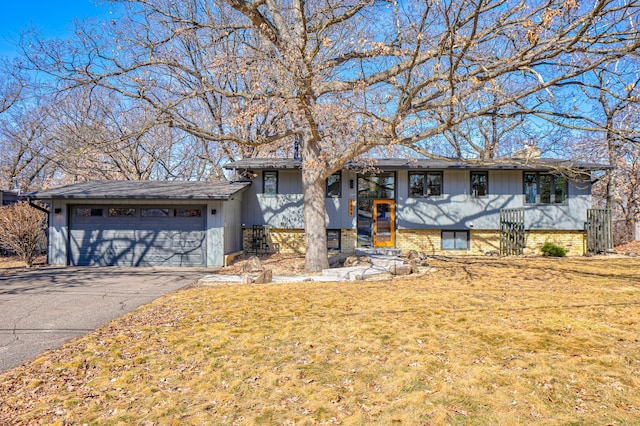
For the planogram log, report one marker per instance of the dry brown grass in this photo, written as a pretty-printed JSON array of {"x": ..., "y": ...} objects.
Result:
[
  {"x": 12, "y": 264},
  {"x": 482, "y": 341}
]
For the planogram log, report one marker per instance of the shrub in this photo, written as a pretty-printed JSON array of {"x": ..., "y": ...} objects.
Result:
[
  {"x": 22, "y": 230},
  {"x": 550, "y": 249}
]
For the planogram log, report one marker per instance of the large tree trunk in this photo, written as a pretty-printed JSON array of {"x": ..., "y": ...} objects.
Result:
[{"x": 316, "y": 258}]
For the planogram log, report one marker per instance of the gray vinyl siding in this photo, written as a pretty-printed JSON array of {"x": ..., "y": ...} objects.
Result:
[
  {"x": 58, "y": 233},
  {"x": 215, "y": 233},
  {"x": 456, "y": 209},
  {"x": 338, "y": 208},
  {"x": 285, "y": 210},
  {"x": 233, "y": 225}
]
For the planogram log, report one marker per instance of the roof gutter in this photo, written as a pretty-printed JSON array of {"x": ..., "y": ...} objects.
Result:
[{"x": 35, "y": 206}]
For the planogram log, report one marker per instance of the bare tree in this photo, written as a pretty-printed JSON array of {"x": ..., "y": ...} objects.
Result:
[
  {"x": 342, "y": 76},
  {"x": 11, "y": 86},
  {"x": 22, "y": 230}
]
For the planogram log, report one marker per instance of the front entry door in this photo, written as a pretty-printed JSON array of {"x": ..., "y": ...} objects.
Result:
[{"x": 383, "y": 223}]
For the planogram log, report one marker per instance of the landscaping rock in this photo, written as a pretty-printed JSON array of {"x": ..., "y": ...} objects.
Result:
[
  {"x": 264, "y": 277},
  {"x": 252, "y": 265},
  {"x": 336, "y": 261},
  {"x": 415, "y": 264},
  {"x": 403, "y": 269},
  {"x": 350, "y": 261}
]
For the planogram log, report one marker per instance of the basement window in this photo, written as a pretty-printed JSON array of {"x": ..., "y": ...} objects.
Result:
[
  {"x": 333, "y": 239},
  {"x": 455, "y": 240}
]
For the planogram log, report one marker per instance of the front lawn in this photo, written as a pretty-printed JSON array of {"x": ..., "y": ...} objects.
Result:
[{"x": 480, "y": 341}]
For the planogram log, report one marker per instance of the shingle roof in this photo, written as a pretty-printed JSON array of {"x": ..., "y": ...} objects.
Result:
[
  {"x": 143, "y": 190},
  {"x": 264, "y": 163},
  {"x": 404, "y": 163},
  {"x": 494, "y": 164}
]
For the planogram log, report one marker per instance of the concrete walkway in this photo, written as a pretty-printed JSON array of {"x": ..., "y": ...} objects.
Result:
[{"x": 43, "y": 308}]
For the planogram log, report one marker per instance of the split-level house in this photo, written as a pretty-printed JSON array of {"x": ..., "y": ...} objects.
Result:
[{"x": 433, "y": 206}]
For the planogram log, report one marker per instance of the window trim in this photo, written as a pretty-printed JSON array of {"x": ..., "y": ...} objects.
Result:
[
  {"x": 425, "y": 188},
  {"x": 275, "y": 173},
  {"x": 486, "y": 189},
  {"x": 552, "y": 187},
  {"x": 455, "y": 231},
  {"x": 326, "y": 186}
]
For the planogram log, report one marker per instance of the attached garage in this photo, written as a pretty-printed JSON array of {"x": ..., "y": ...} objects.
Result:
[
  {"x": 154, "y": 224},
  {"x": 131, "y": 235}
]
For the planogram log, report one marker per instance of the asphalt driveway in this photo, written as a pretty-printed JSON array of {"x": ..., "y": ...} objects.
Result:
[{"x": 43, "y": 308}]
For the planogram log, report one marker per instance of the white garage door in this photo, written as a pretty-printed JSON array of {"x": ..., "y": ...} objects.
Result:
[{"x": 121, "y": 235}]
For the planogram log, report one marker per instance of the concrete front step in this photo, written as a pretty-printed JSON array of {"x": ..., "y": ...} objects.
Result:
[
  {"x": 378, "y": 251},
  {"x": 385, "y": 261}
]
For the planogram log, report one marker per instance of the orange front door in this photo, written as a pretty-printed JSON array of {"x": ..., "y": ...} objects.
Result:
[{"x": 384, "y": 223}]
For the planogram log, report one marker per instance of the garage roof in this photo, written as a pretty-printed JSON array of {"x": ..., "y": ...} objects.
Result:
[{"x": 143, "y": 190}]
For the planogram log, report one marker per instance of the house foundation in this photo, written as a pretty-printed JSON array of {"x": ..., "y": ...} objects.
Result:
[{"x": 428, "y": 241}]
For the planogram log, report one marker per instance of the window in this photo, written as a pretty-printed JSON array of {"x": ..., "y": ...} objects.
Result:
[
  {"x": 154, "y": 212},
  {"x": 425, "y": 184},
  {"x": 115, "y": 212},
  {"x": 455, "y": 240},
  {"x": 270, "y": 183},
  {"x": 334, "y": 185},
  {"x": 544, "y": 188},
  {"x": 479, "y": 184},
  {"x": 86, "y": 212},
  {"x": 333, "y": 239},
  {"x": 377, "y": 186},
  {"x": 188, "y": 213}
]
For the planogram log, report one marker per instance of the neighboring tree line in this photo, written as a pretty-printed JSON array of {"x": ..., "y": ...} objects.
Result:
[{"x": 173, "y": 90}]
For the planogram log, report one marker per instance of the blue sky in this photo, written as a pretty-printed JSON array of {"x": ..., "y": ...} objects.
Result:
[{"x": 52, "y": 18}]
